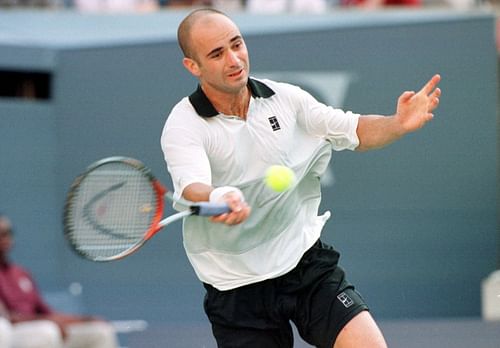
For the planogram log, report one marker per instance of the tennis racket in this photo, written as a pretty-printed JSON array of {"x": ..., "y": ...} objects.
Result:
[{"x": 117, "y": 205}]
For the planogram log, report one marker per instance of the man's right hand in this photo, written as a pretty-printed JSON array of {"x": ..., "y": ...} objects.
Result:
[{"x": 240, "y": 210}]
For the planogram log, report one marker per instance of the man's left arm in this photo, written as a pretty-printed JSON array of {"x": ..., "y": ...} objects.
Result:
[{"x": 414, "y": 110}]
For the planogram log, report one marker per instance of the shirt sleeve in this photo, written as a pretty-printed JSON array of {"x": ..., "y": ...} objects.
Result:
[
  {"x": 335, "y": 125},
  {"x": 186, "y": 158}
]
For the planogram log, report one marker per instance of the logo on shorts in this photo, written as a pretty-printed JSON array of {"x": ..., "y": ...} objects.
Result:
[
  {"x": 275, "y": 125},
  {"x": 345, "y": 299}
]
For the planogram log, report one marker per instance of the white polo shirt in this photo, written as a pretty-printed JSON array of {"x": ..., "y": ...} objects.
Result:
[{"x": 285, "y": 125}]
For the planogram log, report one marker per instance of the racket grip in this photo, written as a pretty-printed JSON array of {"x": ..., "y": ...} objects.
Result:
[{"x": 210, "y": 209}]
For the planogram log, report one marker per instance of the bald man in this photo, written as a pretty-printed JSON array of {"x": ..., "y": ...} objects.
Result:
[{"x": 263, "y": 264}]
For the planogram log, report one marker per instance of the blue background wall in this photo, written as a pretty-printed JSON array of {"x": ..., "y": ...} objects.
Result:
[{"x": 416, "y": 222}]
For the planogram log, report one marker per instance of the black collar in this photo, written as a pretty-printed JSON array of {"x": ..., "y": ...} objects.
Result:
[{"x": 204, "y": 107}]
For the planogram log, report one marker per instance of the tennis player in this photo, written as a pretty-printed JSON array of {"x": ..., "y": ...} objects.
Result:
[{"x": 264, "y": 265}]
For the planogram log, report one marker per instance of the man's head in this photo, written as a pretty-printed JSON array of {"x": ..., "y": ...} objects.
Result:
[
  {"x": 5, "y": 236},
  {"x": 185, "y": 28},
  {"x": 214, "y": 50}
]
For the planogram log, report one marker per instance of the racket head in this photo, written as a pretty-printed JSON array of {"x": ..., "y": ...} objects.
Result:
[{"x": 112, "y": 209}]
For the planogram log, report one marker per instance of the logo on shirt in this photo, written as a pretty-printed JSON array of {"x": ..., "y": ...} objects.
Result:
[
  {"x": 275, "y": 125},
  {"x": 345, "y": 299}
]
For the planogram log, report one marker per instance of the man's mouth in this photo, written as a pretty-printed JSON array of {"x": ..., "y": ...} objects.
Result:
[{"x": 236, "y": 73}]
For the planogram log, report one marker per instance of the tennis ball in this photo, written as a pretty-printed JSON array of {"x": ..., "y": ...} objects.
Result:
[{"x": 279, "y": 178}]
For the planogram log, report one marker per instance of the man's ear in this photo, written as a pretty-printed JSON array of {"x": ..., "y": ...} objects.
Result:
[{"x": 191, "y": 66}]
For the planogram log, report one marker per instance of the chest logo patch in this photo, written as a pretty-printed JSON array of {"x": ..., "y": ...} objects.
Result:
[{"x": 275, "y": 125}]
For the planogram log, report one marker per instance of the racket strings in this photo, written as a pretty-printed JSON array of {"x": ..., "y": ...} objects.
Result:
[{"x": 114, "y": 205}]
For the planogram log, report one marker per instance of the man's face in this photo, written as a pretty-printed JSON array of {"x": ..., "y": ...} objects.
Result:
[
  {"x": 5, "y": 236},
  {"x": 220, "y": 57}
]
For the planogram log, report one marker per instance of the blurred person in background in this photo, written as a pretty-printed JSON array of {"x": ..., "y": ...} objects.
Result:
[
  {"x": 29, "y": 3},
  {"x": 115, "y": 5},
  {"x": 283, "y": 6},
  {"x": 374, "y": 4},
  {"x": 33, "y": 323},
  {"x": 186, "y": 3}
]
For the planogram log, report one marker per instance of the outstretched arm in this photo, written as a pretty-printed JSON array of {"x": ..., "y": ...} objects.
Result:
[{"x": 414, "y": 110}]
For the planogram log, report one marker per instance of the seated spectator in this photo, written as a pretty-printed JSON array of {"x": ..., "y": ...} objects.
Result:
[
  {"x": 282, "y": 6},
  {"x": 186, "y": 3},
  {"x": 373, "y": 4},
  {"x": 34, "y": 323},
  {"x": 116, "y": 5}
]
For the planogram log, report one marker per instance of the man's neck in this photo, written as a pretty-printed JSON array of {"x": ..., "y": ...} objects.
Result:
[{"x": 229, "y": 104}]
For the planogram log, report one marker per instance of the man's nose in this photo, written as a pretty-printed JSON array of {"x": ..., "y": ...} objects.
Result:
[{"x": 232, "y": 58}]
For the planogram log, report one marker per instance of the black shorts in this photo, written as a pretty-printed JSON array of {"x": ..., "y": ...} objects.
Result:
[{"x": 315, "y": 296}]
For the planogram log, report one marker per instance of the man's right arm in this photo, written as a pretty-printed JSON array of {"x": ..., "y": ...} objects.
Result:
[
  {"x": 189, "y": 167},
  {"x": 197, "y": 192}
]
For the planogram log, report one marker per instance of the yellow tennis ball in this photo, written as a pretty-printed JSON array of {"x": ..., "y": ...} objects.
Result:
[{"x": 279, "y": 178}]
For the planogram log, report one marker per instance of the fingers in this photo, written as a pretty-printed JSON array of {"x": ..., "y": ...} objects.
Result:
[
  {"x": 431, "y": 85},
  {"x": 235, "y": 201},
  {"x": 436, "y": 93},
  {"x": 434, "y": 96},
  {"x": 234, "y": 217},
  {"x": 239, "y": 217},
  {"x": 430, "y": 93},
  {"x": 433, "y": 104},
  {"x": 434, "y": 99},
  {"x": 414, "y": 110},
  {"x": 240, "y": 210},
  {"x": 406, "y": 96}
]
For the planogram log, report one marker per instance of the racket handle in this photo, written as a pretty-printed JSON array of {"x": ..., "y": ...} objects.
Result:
[{"x": 210, "y": 209}]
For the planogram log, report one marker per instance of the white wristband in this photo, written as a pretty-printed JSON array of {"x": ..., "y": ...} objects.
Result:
[{"x": 218, "y": 193}]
